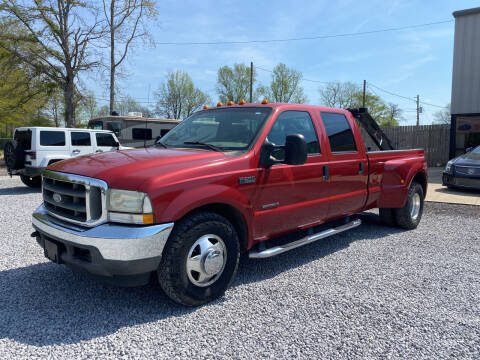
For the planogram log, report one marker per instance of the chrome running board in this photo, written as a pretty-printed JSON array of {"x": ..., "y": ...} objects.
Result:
[{"x": 255, "y": 254}]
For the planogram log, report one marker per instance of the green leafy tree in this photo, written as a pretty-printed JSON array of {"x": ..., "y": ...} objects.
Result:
[
  {"x": 178, "y": 98},
  {"x": 23, "y": 94},
  {"x": 55, "y": 40},
  {"x": 233, "y": 83},
  {"x": 284, "y": 87}
]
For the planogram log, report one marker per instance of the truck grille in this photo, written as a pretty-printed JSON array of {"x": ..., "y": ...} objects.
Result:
[
  {"x": 467, "y": 170},
  {"x": 73, "y": 198}
]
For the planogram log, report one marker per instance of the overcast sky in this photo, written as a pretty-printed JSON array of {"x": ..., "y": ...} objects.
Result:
[{"x": 408, "y": 62}]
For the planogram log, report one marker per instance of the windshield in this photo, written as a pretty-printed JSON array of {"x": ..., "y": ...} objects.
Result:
[{"x": 225, "y": 129}]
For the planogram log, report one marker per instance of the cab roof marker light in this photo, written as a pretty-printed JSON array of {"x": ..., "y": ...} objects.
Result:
[
  {"x": 230, "y": 103},
  {"x": 219, "y": 104},
  {"x": 264, "y": 101},
  {"x": 205, "y": 107},
  {"x": 241, "y": 102}
]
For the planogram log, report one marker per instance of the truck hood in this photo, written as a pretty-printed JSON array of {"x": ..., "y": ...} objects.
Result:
[{"x": 128, "y": 169}]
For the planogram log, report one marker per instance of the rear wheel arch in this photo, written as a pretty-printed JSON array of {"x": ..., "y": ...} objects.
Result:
[{"x": 421, "y": 179}]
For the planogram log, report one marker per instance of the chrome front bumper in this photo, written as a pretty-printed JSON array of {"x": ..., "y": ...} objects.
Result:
[{"x": 113, "y": 242}]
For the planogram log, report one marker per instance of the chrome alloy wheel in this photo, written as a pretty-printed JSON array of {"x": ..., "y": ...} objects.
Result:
[
  {"x": 206, "y": 260},
  {"x": 415, "y": 206}
]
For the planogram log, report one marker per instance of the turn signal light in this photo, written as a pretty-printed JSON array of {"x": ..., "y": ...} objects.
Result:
[
  {"x": 148, "y": 218},
  {"x": 264, "y": 101},
  {"x": 205, "y": 107},
  {"x": 230, "y": 103},
  {"x": 241, "y": 102},
  {"x": 219, "y": 103}
]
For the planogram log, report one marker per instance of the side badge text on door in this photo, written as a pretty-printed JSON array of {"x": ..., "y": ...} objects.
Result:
[{"x": 246, "y": 180}]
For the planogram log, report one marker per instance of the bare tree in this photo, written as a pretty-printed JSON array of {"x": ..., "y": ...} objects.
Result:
[
  {"x": 339, "y": 94},
  {"x": 393, "y": 115},
  {"x": 127, "y": 22},
  {"x": 59, "y": 35},
  {"x": 284, "y": 87},
  {"x": 442, "y": 116},
  {"x": 177, "y": 98},
  {"x": 233, "y": 83}
]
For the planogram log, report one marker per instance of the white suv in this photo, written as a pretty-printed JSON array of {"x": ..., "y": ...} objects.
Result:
[{"x": 34, "y": 148}]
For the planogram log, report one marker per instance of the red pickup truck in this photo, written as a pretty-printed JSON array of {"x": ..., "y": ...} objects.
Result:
[{"x": 227, "y": 180}]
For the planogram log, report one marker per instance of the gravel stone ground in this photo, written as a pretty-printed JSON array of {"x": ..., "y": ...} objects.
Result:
[{"x": 374, "y": 292}]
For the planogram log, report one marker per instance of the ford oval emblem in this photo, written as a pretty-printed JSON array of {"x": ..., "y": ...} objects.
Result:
[{"x": 57, "y": 197}]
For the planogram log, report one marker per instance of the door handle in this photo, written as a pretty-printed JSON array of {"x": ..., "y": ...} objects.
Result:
[
  {"x": 76, "y": 151},
  {"x": 325, "y": 172},
  {"x": 97, "y": 151},
  {"x": 361, "y": 168}
]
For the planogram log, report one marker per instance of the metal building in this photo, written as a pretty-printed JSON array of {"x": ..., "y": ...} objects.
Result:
[{"x": 465, "y": 104}]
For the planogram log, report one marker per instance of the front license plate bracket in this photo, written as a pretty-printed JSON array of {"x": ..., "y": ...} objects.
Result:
[{"x": 52, "y": 251}]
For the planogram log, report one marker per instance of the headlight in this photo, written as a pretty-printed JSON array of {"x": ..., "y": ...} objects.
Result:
[
  {"x": 448, "y": 167},
  {"x": 130, "y": 207}
]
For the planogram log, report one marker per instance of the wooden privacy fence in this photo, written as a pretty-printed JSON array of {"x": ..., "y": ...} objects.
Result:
[{"x": 434, "y": 139}]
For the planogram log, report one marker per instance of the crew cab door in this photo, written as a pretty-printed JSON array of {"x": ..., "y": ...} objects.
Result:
[
  {"x": 347, "y": 168},
  {"x": 105, "y": 142},
  {"x": 81, "y": 143},
  {"x": 291, "y": 197}
]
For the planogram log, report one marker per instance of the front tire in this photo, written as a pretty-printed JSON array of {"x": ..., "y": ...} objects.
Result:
[
  {"x": 33, "y": 182},
  {"x": 409, "y": 216},
  {"x": 200, "y": 259}
]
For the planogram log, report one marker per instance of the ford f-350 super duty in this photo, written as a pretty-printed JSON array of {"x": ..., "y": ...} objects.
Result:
[{"x": 226, "y": 181}]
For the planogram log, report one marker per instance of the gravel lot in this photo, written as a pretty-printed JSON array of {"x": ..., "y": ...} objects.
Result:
[{"x": 375, "y": 292}]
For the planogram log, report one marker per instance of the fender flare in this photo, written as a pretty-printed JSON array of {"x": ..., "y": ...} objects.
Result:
[
  {"x": 212, "y": 194},
  {"x": 397, "y": 178}
]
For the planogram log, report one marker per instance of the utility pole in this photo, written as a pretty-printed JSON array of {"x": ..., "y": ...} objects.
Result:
[
  {"x": 251, "y": 81},
  {"x": 418, "y": 110},
  {"x": 364, "y": 90}
]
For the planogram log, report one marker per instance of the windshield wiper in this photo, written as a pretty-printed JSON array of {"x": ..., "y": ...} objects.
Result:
[{"x": 210, "y": 146}]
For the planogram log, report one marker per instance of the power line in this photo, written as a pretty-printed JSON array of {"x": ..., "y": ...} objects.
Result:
[
  {"x": 318, "y": 37},
  {"x": 389, "y": 92},
  {"x": 405, "y": 97}
]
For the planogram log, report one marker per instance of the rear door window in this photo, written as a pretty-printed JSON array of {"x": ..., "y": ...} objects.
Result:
[
  {"x": 105, "y": 140},
  {"x": 52, "y": 138},
  {"x": 81, "y": 138},
  {"x": 339, "y": 133}
]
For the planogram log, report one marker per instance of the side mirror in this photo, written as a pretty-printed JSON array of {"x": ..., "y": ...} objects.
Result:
[
  {"x": 117, "y": 145},
  {"x": 295, "y": 150},
  {"x": 467, "y": 150}
]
